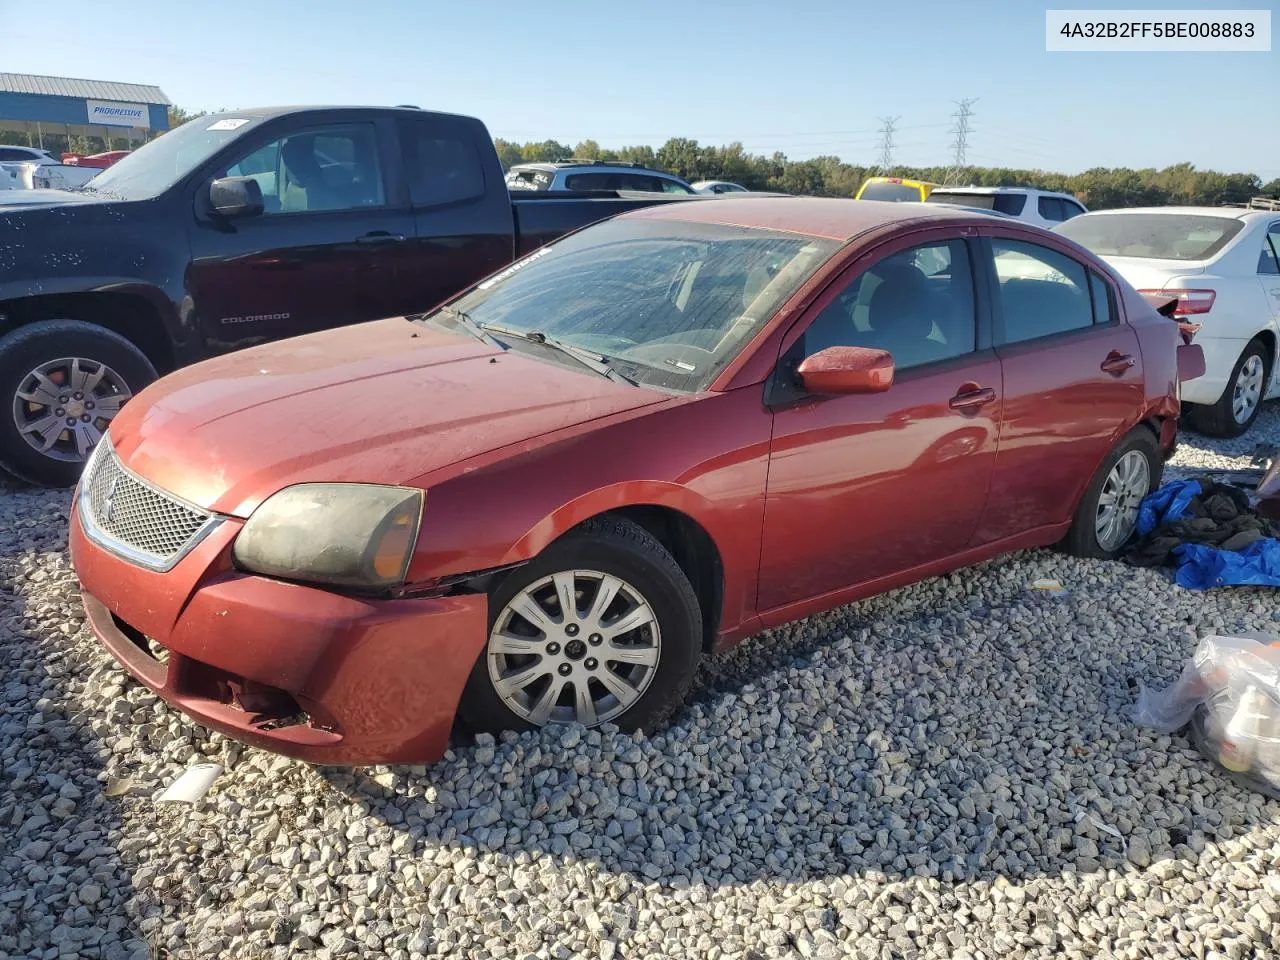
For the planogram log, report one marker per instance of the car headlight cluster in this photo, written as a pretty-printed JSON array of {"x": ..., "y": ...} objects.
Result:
[{"x": 340, "y": 534}]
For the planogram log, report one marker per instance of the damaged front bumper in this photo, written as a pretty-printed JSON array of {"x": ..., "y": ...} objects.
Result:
[{"x": 312, "y": 674}]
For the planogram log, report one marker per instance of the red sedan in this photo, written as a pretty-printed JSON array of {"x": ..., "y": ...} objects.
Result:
[{"x": 547, "y": 500}]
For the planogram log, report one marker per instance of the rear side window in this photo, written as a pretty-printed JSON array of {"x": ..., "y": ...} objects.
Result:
[
  {"x": 1010, "y": 203},
  {"x": 594, "y": 181},
  {"x": 1041, "y": 292},
  {"x": 1104, "y": 308},
  {"x": 1269, "y": 260},
  {"x": 1050, "y": 208},
  {"x": 1153, "y": 236},
  {"x": 444, "y": 165}
]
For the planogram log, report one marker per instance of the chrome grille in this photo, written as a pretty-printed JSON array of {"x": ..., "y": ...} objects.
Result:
[{"x": 130, "y": 517}]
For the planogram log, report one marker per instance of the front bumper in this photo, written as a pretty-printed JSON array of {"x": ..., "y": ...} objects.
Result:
[{"x": 316, "y": 675}]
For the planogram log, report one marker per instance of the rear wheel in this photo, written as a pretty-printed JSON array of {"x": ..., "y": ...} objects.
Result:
[
  {"x": 62, "y": 382},
  {"x": 602, "y": 627},
  {"x": 1240, "y": 402},
  {"x": 1108, "y": 512}
]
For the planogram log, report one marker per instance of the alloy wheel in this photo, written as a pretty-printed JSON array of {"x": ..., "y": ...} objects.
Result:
[
  {"x": 1127, "y": 483},
  {"x": 63, "y": 407},
  {"x": 579, "y": 645}
]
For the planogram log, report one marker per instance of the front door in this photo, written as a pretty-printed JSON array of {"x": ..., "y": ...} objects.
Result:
[
  {"x": 317, "y": 257},
  {"x": 861, "y": 487},
  {"x": 1072, "y": 380}
]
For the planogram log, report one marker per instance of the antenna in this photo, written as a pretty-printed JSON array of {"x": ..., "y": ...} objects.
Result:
[
  {"x": 960, "y": 137},
  {"x": 887, "y": 125}
]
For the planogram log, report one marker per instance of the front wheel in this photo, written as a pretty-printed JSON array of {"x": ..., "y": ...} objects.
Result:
[
  {"x": 1108, "y": 512},
  {"x": 1241, "y": 401},
  {"x": 601, "y": 627},
  {"x": 62, "y": 382}
]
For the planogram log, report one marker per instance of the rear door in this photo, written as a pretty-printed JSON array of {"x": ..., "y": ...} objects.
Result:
[
  {"x": 862, "y": 487},
  {"x": 463, "y": 224},
  {"x": 1072, "y": 380},
  {"x": 316, "y": 257}
]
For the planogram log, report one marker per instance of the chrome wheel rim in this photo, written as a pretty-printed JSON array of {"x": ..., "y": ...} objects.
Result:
[
  {"x": 577, "y": 646},
  {"x": 1127, "y": 483},
  {"x": 63, "y": 407},
  {"x": 1247, "y": 392}
]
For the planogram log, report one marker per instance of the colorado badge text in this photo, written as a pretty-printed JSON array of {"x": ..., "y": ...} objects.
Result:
[{"x": 1158, "y": 30}]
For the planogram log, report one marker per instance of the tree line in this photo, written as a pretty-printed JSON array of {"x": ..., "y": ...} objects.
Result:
[{"x": 1099, "y": 188}]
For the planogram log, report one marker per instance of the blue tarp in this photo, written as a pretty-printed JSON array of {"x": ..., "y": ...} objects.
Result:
[{"x": 1200, "y": 566}]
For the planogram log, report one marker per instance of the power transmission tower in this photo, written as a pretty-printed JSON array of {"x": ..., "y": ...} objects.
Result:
[
  {"x": 887, "y": 125},
  {"x": 960, "y": 137}
]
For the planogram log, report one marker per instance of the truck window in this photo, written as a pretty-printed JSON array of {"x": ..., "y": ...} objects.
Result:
[
  {"x": 444, "y": 167},
  {"x": 333, "y": 168}
]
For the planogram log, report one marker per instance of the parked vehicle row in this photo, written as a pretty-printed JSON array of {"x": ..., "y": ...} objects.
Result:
[
  {"x": 547, "y": 499},
  {"x": 235, "y": 229},
  {"x": 1223, "y": 266}
]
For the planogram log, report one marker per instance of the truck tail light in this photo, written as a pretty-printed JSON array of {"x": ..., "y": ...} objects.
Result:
[{"x": 1190, "y": 302}]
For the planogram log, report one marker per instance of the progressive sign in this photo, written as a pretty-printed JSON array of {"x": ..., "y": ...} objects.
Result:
[{"x": 109, "y": 113}]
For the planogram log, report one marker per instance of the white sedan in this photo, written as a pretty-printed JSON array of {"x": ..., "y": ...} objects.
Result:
[
  {"x": 717, "y": 186},
  {"x": 1223, "y": 265}
]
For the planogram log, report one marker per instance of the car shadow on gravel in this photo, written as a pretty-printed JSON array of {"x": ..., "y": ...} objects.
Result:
[
  {"x": 65, "y": 880},
  {"x": 961, "y": 729}
]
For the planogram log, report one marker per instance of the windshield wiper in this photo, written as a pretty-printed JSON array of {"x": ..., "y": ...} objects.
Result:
[
  {"x": 463, "y": 319},
  {"x": 588, "y": 358}
]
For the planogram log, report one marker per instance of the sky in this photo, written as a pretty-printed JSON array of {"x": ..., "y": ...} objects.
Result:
[{"x": 807, "y": 78}]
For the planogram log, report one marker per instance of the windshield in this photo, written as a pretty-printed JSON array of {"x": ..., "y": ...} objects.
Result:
[
  {"x": 1152, "y": 236},
  {"x": 897, "y": 192},
  {"x": 668, "y": 303},
  {"x": 158, "y": 165}
]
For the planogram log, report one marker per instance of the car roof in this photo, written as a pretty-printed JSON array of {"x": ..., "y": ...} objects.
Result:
[
  {"x": 834, "y": 219},
  {"x": 987, "y": 191},
  {"x": 1237, "y": 213}
]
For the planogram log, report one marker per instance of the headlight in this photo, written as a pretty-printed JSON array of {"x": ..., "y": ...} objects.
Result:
[{"x": 345, "y": 534}]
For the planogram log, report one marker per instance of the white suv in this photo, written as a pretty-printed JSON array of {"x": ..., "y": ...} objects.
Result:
[{"x": 1040, "y": 207}]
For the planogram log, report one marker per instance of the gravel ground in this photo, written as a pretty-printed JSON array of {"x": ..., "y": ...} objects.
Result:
[{"x": 933, "y": 773}]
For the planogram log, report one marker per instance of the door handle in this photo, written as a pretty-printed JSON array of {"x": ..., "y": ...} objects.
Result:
[
  {"x": 1117, "y": 363},
  {"x": 380, "y": 236},
  {"x": 972, "y": 397}
]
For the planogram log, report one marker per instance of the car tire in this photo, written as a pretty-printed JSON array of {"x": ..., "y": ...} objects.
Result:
[
  {"x": 1252, "y": 372},
  {"x": 113, "y": 366},
  {"x": 602, "y": 547},
  {"x": 1139, "y": 449}
]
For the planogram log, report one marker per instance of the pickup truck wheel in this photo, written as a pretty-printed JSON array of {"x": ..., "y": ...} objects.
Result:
[
  {"x": 601, "y": 627},
  {"x": 1241, "y": 401},
  {"x": 1108, "y": 512},
  {"x": 62, "y": 382}
]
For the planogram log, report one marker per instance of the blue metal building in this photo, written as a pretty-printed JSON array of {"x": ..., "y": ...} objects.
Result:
[{"x": 38, "y": 106}]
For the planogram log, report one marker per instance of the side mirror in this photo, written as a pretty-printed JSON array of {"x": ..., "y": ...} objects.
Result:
[
  {"x": 840, "y": 370},
  {"x": 232, "y": 197}
]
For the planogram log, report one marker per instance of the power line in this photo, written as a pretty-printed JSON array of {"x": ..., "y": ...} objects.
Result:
[
  {"x": 887, "y": 125},
  {"x": 960, "y": 134}
]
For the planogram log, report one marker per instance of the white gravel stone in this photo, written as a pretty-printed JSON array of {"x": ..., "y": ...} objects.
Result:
[{"x": 901, "y": 777}]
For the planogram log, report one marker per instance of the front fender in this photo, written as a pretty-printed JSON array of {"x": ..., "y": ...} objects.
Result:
[{"x": 632, "y": 493}]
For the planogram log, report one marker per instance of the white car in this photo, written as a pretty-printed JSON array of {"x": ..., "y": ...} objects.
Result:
[
  {"x": 717, "y": 186},
  {"x": 12, "y": 154},
  {"x": 1223, "y": 265},
  {"x": 1041, "y": 207}
]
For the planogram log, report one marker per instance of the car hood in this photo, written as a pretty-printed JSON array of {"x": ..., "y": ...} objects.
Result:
[
  {"x": 383, "y": 402},
  {"x": 40, "y": 198}
]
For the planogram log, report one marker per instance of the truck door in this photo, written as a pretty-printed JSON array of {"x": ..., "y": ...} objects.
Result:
[{"x": 317, "y": 256}]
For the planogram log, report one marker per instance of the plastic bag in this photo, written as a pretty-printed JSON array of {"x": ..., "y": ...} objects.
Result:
[{"x": 1231, "y": 689}]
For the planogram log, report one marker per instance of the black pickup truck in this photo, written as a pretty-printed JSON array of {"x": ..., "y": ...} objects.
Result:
[{"x": 235, "y": 229}]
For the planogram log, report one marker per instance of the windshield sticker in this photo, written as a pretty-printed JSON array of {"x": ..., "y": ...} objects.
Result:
[
  {"x": 228, "y": 124},
  {"x": 513, "y": 269}
]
